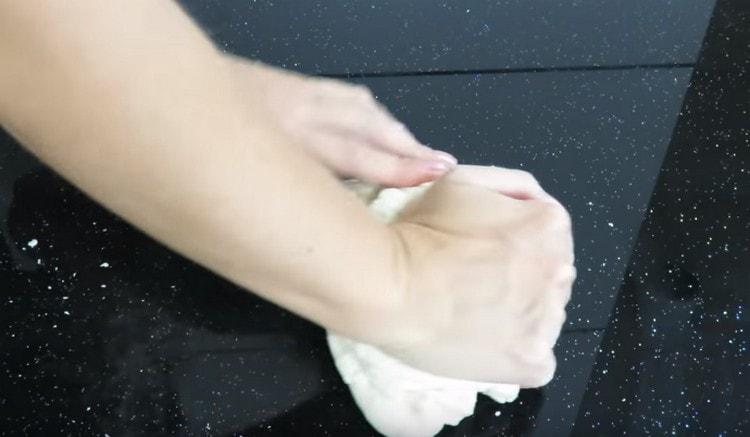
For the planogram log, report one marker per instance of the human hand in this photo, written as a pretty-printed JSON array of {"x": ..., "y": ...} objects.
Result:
[
  {"x": 487, "y": 272},
  {"x": 342, "y": 125}
]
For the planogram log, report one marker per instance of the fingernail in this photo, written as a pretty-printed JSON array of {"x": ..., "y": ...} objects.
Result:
[
  {"x": 446, "y": 157},
  {"x": 437, "y": 166}
]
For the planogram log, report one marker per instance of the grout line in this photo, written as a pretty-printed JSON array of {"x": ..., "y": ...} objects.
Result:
[
  {"x": 506, "y": 70},
  {"x": 577, "y": 330}
]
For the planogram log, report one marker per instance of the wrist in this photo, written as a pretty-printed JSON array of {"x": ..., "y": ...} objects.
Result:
[
  {"x": 381, "y": 315},
  {"x": 361, "y": 297},
  {"x": 417, "y": 308}
]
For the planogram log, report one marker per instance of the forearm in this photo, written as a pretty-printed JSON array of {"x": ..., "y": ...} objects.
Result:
[{"x": 130, "y": 102}]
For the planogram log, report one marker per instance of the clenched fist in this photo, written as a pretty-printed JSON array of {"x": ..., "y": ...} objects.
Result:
[{"x": 486, "y": 273}]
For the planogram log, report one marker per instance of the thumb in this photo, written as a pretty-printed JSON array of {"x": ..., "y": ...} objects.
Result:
[{"x": 514, "y": 183}]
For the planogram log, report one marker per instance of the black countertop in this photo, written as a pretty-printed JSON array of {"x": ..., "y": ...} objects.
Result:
[{"x": 635, "y": 114}]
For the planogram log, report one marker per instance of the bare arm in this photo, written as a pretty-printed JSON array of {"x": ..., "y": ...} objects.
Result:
[{"x": 131, "y": 102}]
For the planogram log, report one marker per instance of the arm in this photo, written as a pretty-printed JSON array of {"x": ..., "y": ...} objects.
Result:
[{"x": 130, "y": 102}]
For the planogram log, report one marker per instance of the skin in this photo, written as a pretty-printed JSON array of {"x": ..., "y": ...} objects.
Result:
[
  {"x": 342, "y": 126},
  {"x": 235, "y": 165}
]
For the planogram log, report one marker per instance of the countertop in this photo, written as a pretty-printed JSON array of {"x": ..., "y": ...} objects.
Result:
[{"x": 635, "y": 114}]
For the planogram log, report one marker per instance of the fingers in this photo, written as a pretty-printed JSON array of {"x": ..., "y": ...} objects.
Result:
[
  {"x": 535, "y": 365},
  {"x": 467, "y": 209},
  {"x": 387, "y": 133},
  {"x": 565, "y": 281},
  {"x": 367, "y": 121},
  {"x": 538, "y": 353},
  {"x": 549, "y": 225},
  {"x": 540, "y": 372},
  {"x": 328, "y": 115},
  {"x": 549, "y": 325},
  {"x": 384, "y": 168}
]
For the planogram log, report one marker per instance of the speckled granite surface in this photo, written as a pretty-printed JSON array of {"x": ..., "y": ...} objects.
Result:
[{"x": 616, "y": 108}]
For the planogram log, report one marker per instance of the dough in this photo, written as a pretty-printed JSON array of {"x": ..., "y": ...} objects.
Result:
[{"x": 399, "y": 400}]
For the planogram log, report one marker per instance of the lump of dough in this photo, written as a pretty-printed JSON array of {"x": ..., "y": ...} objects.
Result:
[{"x": 397, "y": 399}]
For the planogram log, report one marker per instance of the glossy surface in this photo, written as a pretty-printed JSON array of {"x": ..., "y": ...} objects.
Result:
[
  {"x": 395, "y": 36},
  {"x": 107, "y": 332},
  {"x": 593, "y": 139},
  {"x": 675, "y": 358}
]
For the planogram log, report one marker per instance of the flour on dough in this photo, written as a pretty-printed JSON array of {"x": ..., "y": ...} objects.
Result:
[{"x": 399, "y": 400}]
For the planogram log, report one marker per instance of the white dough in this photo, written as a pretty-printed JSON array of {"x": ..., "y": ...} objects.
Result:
[{"x": 399, "y": 400}]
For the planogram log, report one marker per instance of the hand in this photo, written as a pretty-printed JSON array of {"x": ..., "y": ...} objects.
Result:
[
  {"x": 488, "y": 270},
  {"x": 342, "y": 125}
]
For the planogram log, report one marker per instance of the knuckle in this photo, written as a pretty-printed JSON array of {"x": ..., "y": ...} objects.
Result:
[
  {"x": 542, "y": 372},
  {"x": 547, "y": 370},
  {"x": 571, "y": 273},
  {"x": 525, "y": 176},
  {"x": 555, "y": 216},
  {"x": 568, "y": 295},
  {"x": 567, "y": 221},
  {"x": 565, "y": 273},
  {"x": 557, "y": 319},
  {"x": 363, "y": 94}
]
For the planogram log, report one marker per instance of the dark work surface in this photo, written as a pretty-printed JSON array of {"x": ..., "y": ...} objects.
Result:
[
  {"x": 107, "y": 332},
  {"x": 594, "y": 139},
  {"x": 387, "y": 36},
  {"x": 675, "y": 359}
]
